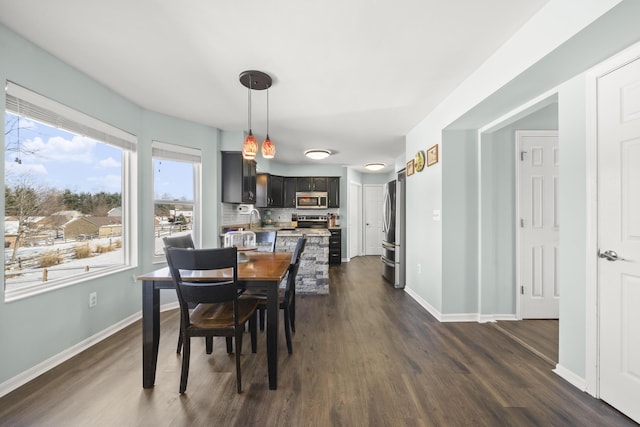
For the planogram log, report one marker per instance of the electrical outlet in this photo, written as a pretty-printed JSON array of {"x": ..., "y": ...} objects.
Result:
[
  {"x": 419, "y": 268},
  {"x": 93, "y": 299}
]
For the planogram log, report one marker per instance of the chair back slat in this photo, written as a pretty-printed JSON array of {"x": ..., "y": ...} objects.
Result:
[
  {"x": 266, "y": 241},
  {"x": 184, "y": 241},
  {"x": 183, "y": 261}
]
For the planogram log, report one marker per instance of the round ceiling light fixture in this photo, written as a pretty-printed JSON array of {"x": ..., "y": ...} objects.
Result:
[
  {"x": 374, "y": 166},
  {"x": 317, "y": 154}
]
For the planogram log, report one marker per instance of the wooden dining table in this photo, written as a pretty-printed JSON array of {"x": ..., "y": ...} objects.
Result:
[{"x": 263, "y": 270}]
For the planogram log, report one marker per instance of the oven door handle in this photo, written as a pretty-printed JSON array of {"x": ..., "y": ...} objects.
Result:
[
  {"x": 389, "y": 246},
  {"x": 387, "y": 262}
]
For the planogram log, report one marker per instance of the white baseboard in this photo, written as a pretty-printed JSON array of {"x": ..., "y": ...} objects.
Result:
[
  {"x": 485, "y": 318},
  {"x": 573, "y": 379},
  {"x": 431, "y": 309},
  {"x": 457, "y": 317},
  {"x": 460, "y": 317},
  {"x": 39, "y": 369}
]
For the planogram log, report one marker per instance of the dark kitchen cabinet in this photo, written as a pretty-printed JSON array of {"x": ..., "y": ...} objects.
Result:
[
  {"x": 334, "y": 192},
  {"x": 269, "y": 191},
  {"x": 289, "y": 197},
  {"x": 238, "y": 178},
  {"x": 311, "y": 183},
  {"x": 335, "y": 246}
]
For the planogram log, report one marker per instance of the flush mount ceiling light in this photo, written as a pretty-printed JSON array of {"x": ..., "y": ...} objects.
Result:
[
  {"x": 317, "y": 154},
  {"x": 375, "y": 166},
  {"x": 255, "y": 80}
]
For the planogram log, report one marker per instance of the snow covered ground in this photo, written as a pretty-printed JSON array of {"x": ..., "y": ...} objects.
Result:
[{"x": 69, "y": 267}]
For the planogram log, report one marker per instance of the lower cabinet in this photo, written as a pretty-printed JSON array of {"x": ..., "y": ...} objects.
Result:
[{"x": 335, "y": 246}]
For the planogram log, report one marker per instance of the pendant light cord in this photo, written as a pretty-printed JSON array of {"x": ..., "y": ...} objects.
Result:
[{"x": 249, "y": 104}]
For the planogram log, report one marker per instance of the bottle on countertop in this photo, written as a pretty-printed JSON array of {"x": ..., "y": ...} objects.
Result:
[
  {"x": 294, "y": 219},
  {"x": 332, "y": 220}
]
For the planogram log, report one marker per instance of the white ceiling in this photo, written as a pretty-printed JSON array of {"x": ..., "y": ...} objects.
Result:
[{"x": 352, "y": 76}]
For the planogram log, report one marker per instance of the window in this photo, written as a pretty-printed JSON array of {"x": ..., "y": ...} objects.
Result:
[
  {"x": 176, "y": 189},
  {"x": 67, "y": 203}
]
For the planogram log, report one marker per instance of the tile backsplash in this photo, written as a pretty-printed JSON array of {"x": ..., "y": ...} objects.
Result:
[{"x": 231, "y": 216}]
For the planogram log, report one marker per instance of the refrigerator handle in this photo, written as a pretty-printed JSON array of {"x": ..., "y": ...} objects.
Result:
[{"x": 385, "y": 212}]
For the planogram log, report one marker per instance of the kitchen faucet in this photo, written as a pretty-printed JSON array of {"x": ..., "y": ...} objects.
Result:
[{"x": 251, "y": 216}]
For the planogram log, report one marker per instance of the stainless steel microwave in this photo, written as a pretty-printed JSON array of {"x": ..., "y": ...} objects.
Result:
[{"x": 311, "y": 200}]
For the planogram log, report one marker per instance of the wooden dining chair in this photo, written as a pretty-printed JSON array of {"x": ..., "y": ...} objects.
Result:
[
  {"x": 186, "y": 242},
  {"x": 266, "y": 241},
  {"x": 287, "y": 297},
  {"x": 218, "y": 310}
]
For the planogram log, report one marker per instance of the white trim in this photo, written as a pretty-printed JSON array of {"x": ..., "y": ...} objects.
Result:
[
  {"x": 431, "y": 309},
  {"x": 573, "y": 379},
  {"x": 456, "y": 317},
  {"x": 485, "y": 318},
  {"x": 592, "y": 340},
  {"x": 460, "y": 317},
  {"x": 46, "y": 110},
  {"x": 24, "y": 377}
]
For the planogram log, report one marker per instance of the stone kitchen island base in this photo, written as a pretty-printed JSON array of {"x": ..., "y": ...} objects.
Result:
[{"x": 313, "y": 274}]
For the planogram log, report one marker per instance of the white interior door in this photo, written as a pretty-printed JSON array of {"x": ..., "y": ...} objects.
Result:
[
  {"x": 373, "y": 220},
  {"x": 538, "y": 232},
  {"x": 355, "y": 219},
  {"x": 619, "y": 237}
]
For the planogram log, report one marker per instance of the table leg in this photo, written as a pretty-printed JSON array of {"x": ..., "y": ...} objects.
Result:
[
  {"x": 273, "y": 312},
  {"x": 150, "y": 332}
]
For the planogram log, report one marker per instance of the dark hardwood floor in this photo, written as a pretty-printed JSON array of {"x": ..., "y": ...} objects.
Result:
[
  {"x": 367, "y": 355},
  {"x": 538, "y": 335}
]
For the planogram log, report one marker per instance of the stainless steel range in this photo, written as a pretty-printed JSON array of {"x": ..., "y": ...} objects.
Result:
[{"x": 312, "y": 221}]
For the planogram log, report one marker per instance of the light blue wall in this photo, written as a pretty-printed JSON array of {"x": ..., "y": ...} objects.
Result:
[
  {"x": 37, "y": 328},
  {"x": 573, "y": 224},
  {"x": 459, "y": 222}
]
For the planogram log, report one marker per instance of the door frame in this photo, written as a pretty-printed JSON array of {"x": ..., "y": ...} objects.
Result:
[
  {"x": 364, "y": 214},
  {"x": 592, "y": 314},
  {"x": 355, "y": 220}
]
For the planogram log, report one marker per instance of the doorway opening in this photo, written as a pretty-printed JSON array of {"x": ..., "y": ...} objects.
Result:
[{"x": 501, "y": 245}]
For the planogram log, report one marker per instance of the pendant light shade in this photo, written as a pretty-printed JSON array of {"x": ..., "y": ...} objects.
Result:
[
  {"x": 249, "y": 147},
  {"x": 268, "y": 149},
  {"x": 256, "y": 80}
]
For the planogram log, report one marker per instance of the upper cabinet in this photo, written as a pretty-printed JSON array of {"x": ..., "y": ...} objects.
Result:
[
  {"x": 311, "y": 183},
  {"x": 238, "y": 178},
  {"x": 334, "y": 192},
  {"x": 269, "y": 191},
  {"x": 289, "y": 197}
]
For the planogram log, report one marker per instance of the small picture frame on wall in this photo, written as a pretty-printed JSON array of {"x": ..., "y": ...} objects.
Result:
[
  {"x": 410, "y": 167},
  {"x": 432, "y": 155}
]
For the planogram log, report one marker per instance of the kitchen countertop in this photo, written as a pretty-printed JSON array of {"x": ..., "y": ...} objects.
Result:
[{"x": 286, "y": 231}]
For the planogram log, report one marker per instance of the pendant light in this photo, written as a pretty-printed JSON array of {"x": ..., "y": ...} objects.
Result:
[
  {"x": 268, "y": 149},
  {"x": 249, "y": 146},
  {"x": 254, "y": 80}
]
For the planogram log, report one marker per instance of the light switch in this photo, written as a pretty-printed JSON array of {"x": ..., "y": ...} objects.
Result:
[{"x": 436, "y": 214}]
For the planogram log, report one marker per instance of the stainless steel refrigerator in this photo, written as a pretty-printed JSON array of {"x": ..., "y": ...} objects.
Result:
[{"x": 393, "y": 227}]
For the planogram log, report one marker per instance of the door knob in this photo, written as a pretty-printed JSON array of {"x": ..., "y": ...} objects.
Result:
[{"x": 610, "y": 255}]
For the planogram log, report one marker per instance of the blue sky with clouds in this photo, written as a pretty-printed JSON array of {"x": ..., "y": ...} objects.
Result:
[
  {"x": 60, "y": 159},
  {"x": 64, "y": 160}
]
